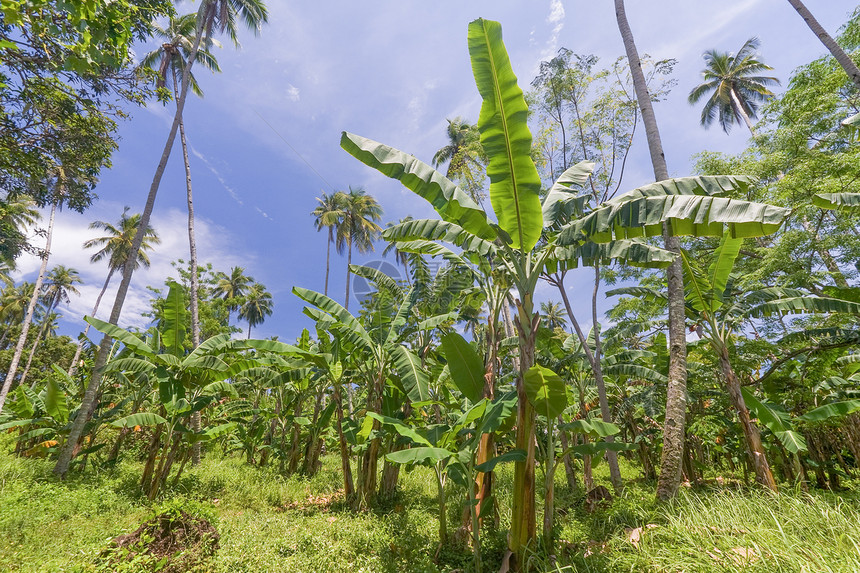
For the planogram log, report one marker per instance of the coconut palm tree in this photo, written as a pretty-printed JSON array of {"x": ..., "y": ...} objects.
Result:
[
  {"x": 464, "y": 155},
  {"x": 676, "y": 404},
  {"x": 13, "y": 306},
  {"x": 59, "y": 284},
  {"x": 329, "y": 214},
  {"x": 170, "y": 60},
  {"x": 256, "y": 306},
  {"x": 115, "y": 247},
  {"x": 844, "y": 59},
  {"x": 734, "y": 85},
  {"x": 16, "y": 214},
  {"x": 554, "y": 316},
  {"x": 231, "y": 288},
  {"x": 359, "y": 227},
  {"x": 221, "y": 15}
]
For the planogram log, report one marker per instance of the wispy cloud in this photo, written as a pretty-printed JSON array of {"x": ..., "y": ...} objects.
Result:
[
  {"x": 556, "y": 20},
  {"x": 293, "y": 92},
  {"x": 217, "y": 175}
]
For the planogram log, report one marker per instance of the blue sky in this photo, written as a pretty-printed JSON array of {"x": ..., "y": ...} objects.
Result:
[{"x": 391, "y": 70}]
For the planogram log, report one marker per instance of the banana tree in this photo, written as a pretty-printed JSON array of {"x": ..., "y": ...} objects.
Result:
[
  {"x": 375, "y": 353},
  {"x": 183, "y": 383},
  {"x": 713, "y": 304},
  {"x": 451, "y": 450},
  {"x": 514, "y": 186}
]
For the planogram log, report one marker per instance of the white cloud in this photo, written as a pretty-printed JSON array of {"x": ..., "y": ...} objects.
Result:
[
  {"x": 556, "y": 20},
  {"x": 293, "y": 92},
  {"x": 214, "y": 243}
]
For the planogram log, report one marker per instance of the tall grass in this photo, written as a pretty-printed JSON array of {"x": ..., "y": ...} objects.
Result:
[{"x": 271, "y": 523}]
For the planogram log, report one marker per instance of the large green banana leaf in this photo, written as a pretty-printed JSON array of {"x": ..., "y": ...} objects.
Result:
[
  {"x": 131, "y": 341},
  {"x": 354, "y": 330},
  {"x": 436, "y": 230},
  {"x": 803, "y": 304},
  {"x": 837, "y": 200},
  {"x": 722, "y": 265},
  {"x": 451, "y": 202},
  {"x": 711, "y": 185},
  {"x": 466, "y": 367},
  {"x": 505, "y": 136},
  {"x": 173, "y": 325},
  {"x": 629, "y": 252},
  {"x": 545, "y": 390},
  {"x": 694, "y": 215},
  {"x": 414, "y": 378},
  {"x": 561, "y": 200}
]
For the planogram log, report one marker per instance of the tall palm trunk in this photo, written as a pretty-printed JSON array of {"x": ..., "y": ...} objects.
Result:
[
  {"x": 44, "y": 326},
  {"x": 348, "y": 271},
  {"x": 676, "y": 405},
  {"x": 74, "y": 365},
  {"x": 611, "y": 456},
  {"x": 328, "y": 258},
  {"x": 88, "y": 403},
  {"x": 844, "y": 59},
  {"x": 192, "y": 246},
  {"x": 594, "y": 361},
  {"x": 31, "y": 309}
]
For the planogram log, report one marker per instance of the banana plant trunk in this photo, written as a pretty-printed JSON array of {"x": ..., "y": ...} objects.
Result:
[
  {"x": 751, "y": 434},
  {"x": 92, "y": 391},
  {"x": 348, "y": 487},
  {"x": 486, "y": 446},
  {"x": 523, "y": 521},
  {"x": 676, "y": 405},
  {"x": 367, "y": 479}
]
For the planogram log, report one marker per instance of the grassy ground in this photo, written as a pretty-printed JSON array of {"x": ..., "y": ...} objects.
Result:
[{"x": 268, "y": 523}]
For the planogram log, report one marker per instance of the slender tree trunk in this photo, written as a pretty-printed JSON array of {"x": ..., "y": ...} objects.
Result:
[
  {"x": 829, "y": 262},
  {"x": 844, "y": 59},
  {"x": 74, "y": 365},
  {"x": 31, "y": 309},
  {"x": 751, "y": 434},
  {"x": 596, "y": 368},
  {"x": 569, "y": 472},
  {"x": 348, "y": 271},
  {"x": 42, "y": 328},
  {"x": 192, "y": 247},
  {"x": 739, "y": 109},
  {"x": 327, "y": 259},
  {"x": 611, "y": 456},
  {"x": 92, "y": 391},
  {"x": 673, "y": 428}
]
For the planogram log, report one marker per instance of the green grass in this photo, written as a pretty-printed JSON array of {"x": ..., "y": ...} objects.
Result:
[{"x": 267, "y": 524}]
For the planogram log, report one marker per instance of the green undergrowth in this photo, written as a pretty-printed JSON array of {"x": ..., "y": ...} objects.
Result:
[{"x": 270, "y": 523}]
